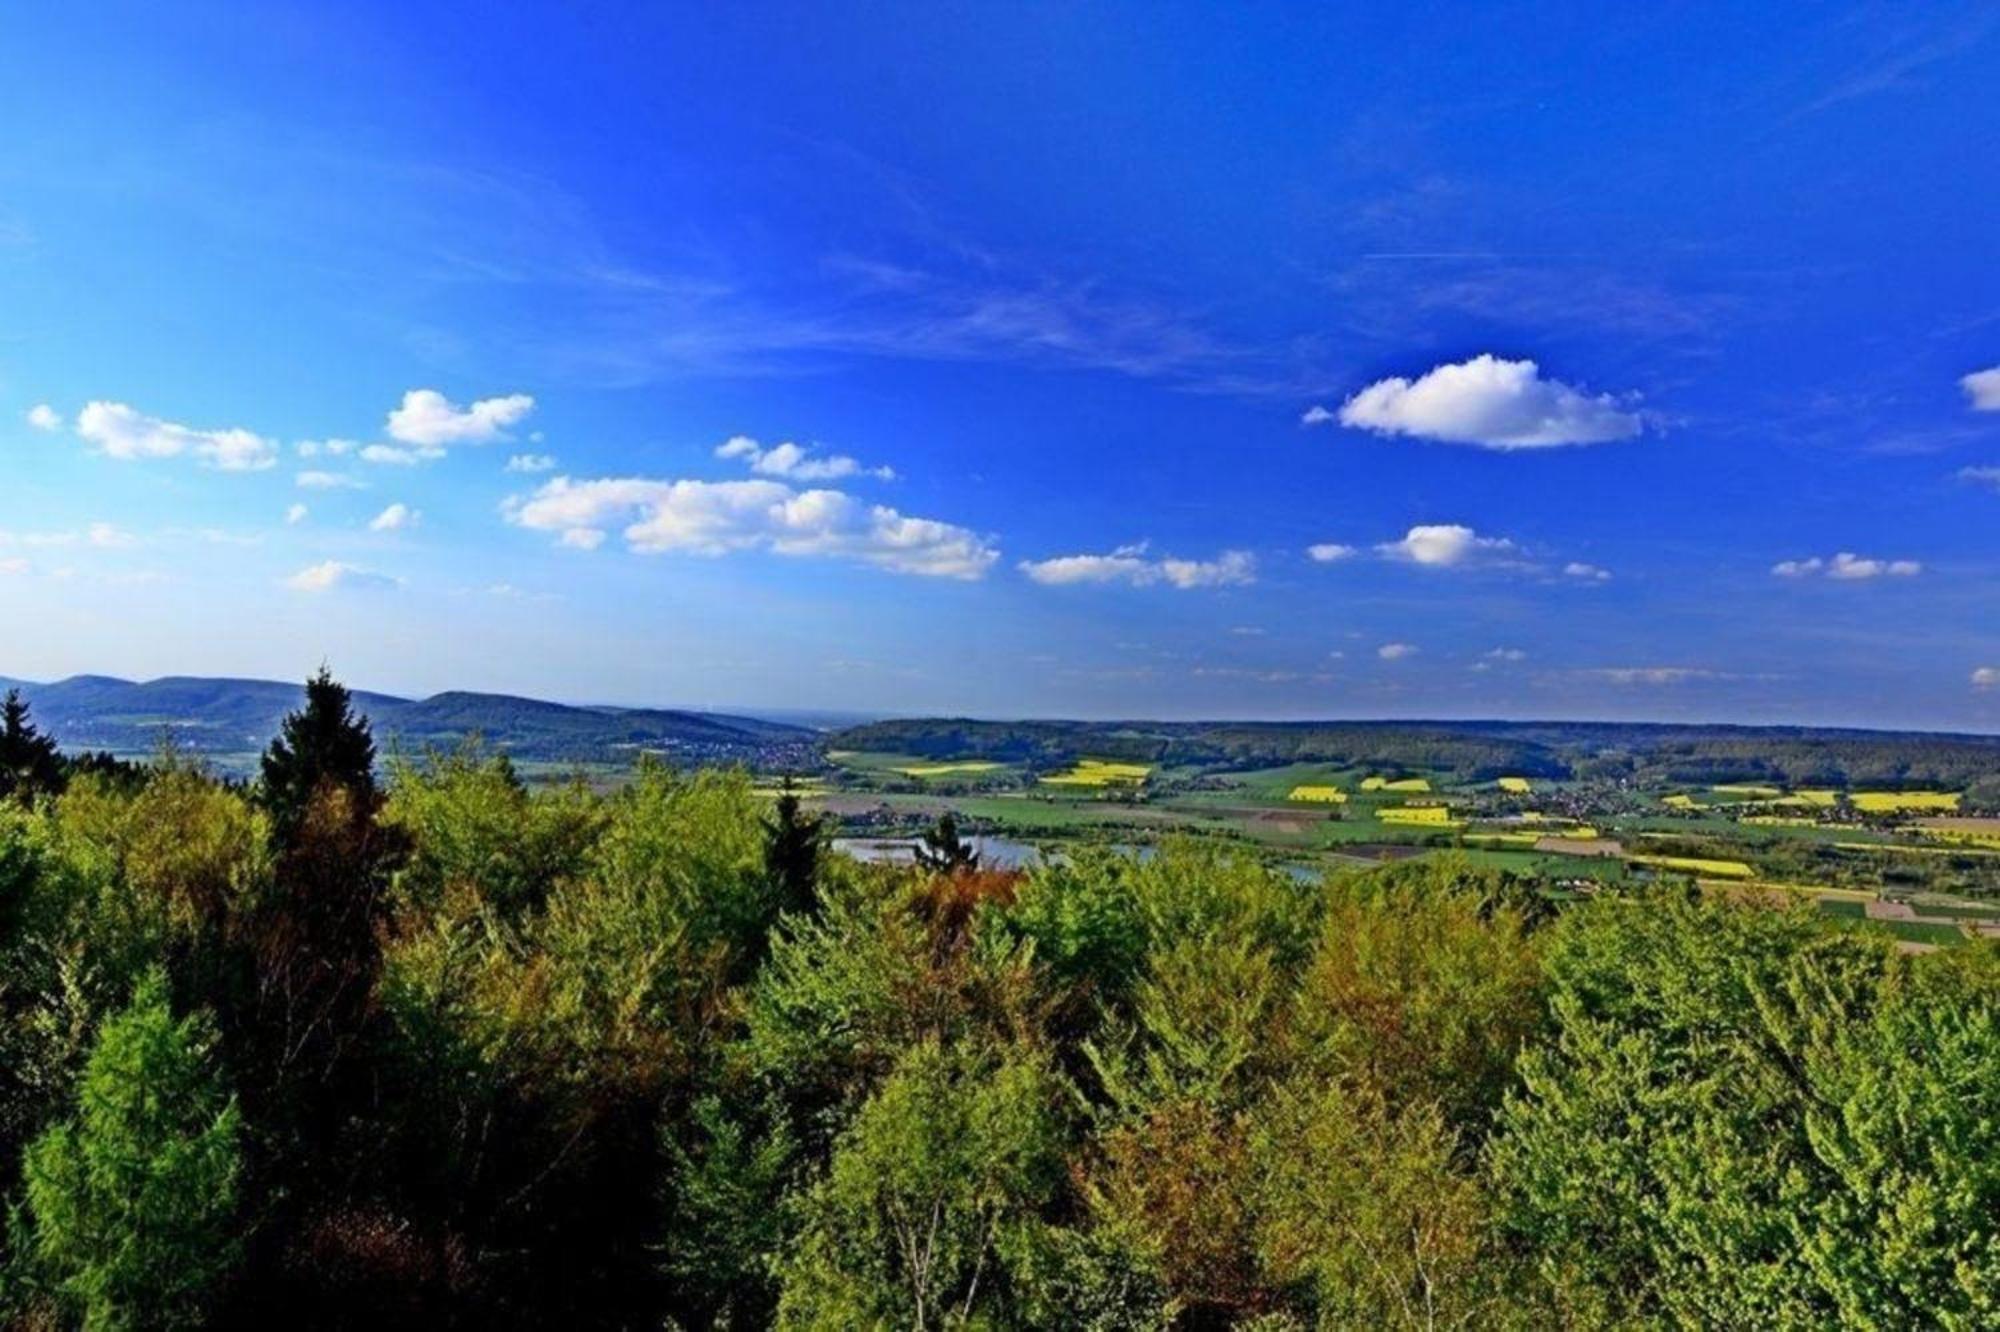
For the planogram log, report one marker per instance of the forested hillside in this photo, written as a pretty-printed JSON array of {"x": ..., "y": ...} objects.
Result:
[
  {"x": 417, "y": 1046},
  {"x": 225, "y": 717}
]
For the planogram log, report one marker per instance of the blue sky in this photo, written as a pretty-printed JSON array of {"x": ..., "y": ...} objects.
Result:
[{"x": 1149, "y": 360}]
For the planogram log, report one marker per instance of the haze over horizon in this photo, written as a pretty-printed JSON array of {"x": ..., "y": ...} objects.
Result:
[{"x": 1130, "y": 362}]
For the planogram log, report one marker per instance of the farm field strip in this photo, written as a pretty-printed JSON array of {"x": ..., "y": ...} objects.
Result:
[{"x": 1101, "y": 772}]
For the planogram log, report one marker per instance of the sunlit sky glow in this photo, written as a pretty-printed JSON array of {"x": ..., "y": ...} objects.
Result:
[{"x": 1147, "y": 360}]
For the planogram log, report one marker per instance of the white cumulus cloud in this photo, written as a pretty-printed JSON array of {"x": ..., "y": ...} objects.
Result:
[
  {"x": 332, "y": 574},
  {"x": 1397, "y": 651},
  {"x": 428, "y": 419},
  {"x": 1329, "y": 552},
  {"x": 717, "y": 517},
  {"x": 44, "y": 417},
  {"x": 121, "y": 432},
  {"x": 295, "y": 514},
  {"x": 796, "y": 462},
  {"x": 1981, "y": 476},
  {"x": 531, "y": 463},
  {"x": 1133, "y": 566},
  {"x": 1589, "y": 573},
  {"x": 1444, "y": 546},
  {"x": 1847, "y": 567},
  {"x": 395, "y": 518},
  {"x": 1982, "y": 389},
  {"x": 1986, "y": 677},
  {"x": 1492, "y": 404}
]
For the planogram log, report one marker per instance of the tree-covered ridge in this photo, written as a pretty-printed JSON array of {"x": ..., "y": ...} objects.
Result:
[
  {"x": 228, "y": 716},
  {"x": 1470, "y": 750},
  {"x": 428, "y": 1047}
]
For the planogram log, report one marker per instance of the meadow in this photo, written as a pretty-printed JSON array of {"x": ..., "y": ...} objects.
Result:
[{"x": 1551, "y": 830}]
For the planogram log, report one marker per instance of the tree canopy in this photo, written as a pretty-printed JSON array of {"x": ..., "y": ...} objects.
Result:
[{"x": 461, "y": 1050}]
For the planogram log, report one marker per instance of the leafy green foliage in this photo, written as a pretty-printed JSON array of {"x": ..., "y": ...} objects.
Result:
[
  {"x": 133, "y": 1201},
  {"x": 1745, "y": 1119},
  {"x": 473, "y": 825},
  {"x": 942, "y": 1166}
]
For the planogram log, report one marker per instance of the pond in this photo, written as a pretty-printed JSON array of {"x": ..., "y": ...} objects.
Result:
[
  {"x": 1006, "y": 853},
  {"x": 994, "y": 852}
]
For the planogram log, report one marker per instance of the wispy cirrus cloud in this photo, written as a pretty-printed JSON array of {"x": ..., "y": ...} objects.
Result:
[
  {"x": 322, "y": 480},
  {"x": 1653, "y": 675},
  {"x": 397, "y": 455},
  {"x": 1898, "y": 64},
  {"x": 102, "y": 536}
]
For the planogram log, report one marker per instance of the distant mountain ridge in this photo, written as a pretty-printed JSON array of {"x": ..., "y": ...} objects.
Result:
[{"x": 223, "y": 716}]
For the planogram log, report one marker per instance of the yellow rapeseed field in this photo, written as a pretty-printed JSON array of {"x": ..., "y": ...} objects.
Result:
[
  {"x": 1716, "y": 869},
  {"x": 1426, "y": 816},
  {"x": 1400, "y": 784},
  {"x": 947, "y": 769},
  {"x": 1518, "y": 785},
  {"x": 1889, "y": 802},
  {"x": 1325, "y": 795},
  {"x": 1098, "y": 772}
]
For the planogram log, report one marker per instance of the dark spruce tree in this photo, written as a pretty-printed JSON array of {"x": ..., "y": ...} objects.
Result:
[
  {"x": 324, "y": 744},
  {"x": 792, "y": 841},
  {"x": 303, "y": 1029},
  {"x": 942, "y": 851},
  {"x": 30, "y": 764}
]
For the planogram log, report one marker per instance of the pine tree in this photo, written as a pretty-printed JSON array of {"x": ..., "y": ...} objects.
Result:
[
  {"x": 311, "y": 941},
  {"x": 943, "y": 851},
  {"x": 791, "y": 852},
  {"x": 30, "y": 764},
  {"x": 324, "y": 743}
]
